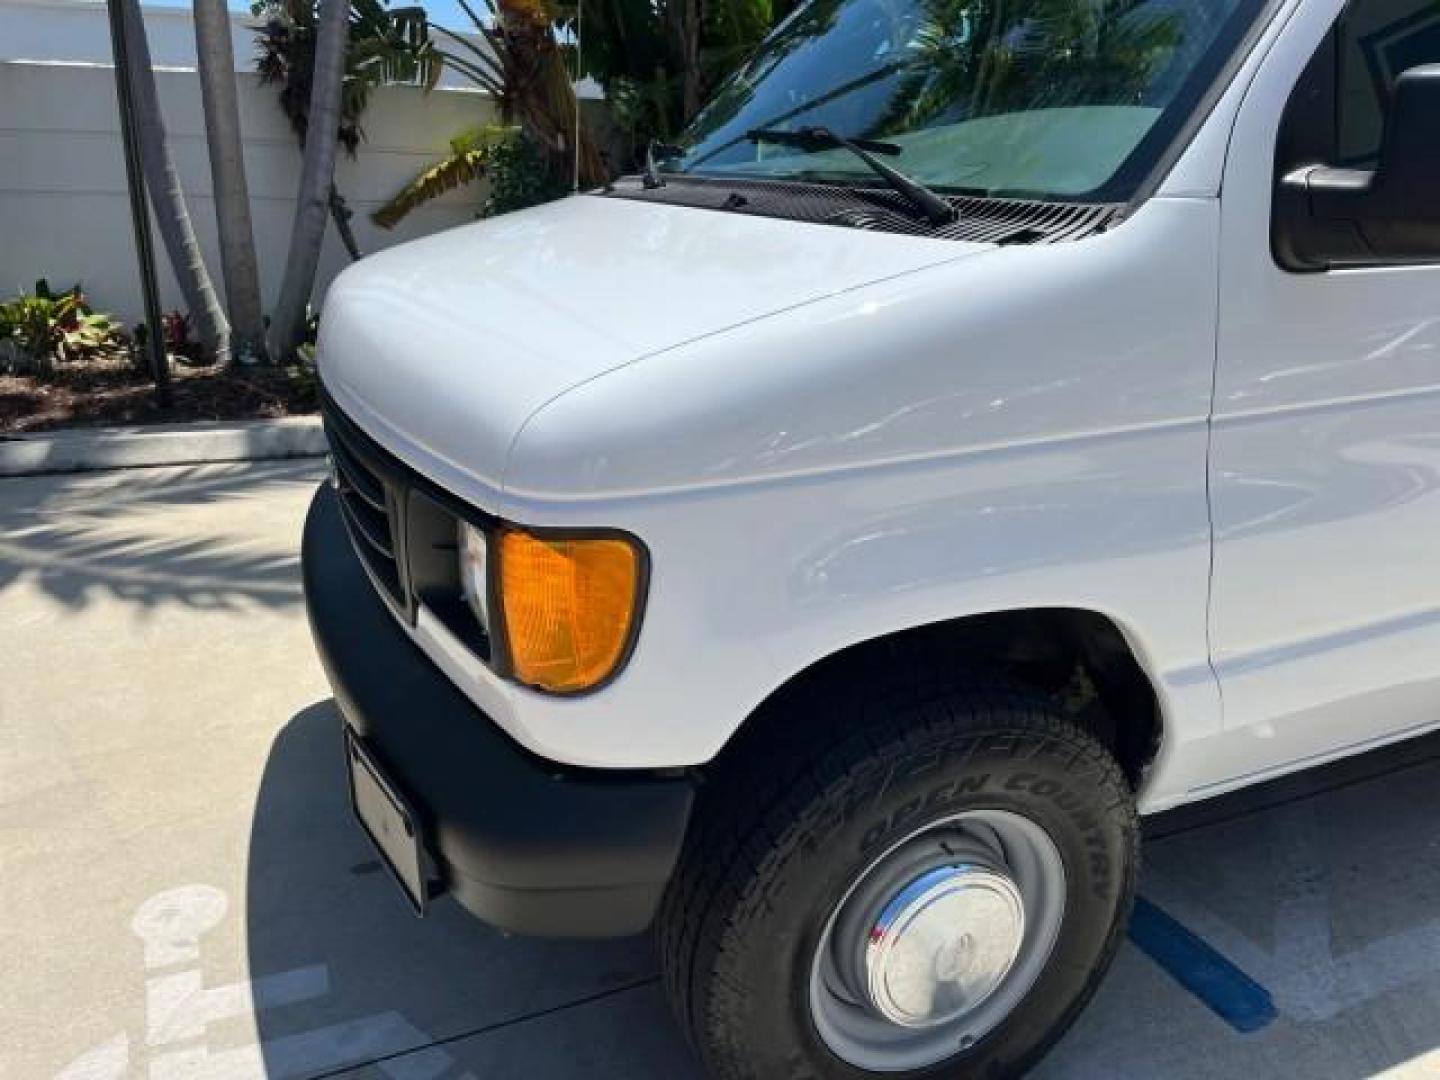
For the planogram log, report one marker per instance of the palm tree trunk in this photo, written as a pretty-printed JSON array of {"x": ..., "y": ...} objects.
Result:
[
  {"x": 340, "y": 215},
  {"x": 227, "y": 175},
  {"x": 540, "y": 94},
  {"x": 168, "y": 198},
  {"x": 287, "y": 328}
]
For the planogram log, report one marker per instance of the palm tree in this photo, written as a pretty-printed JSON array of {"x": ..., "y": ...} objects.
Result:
[
  {"x": 385, "y": 46},
  {"x": 519, "y": 62},
  {"x": 227, "y": 176},
  {"x": 287, "y": 327},
  {"x": 166, "y": 196}
]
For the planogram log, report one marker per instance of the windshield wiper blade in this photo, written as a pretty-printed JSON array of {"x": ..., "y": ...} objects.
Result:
[{"x": 936, "y": 210}]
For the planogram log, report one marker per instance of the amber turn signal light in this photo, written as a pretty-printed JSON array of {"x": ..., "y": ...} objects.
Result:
[{"x": 569, "y": 607}]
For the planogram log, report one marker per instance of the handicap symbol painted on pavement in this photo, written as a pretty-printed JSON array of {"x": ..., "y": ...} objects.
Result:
[{"x": 180, "y": 1008}]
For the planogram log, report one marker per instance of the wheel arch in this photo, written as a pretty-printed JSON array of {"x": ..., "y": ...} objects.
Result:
[{"x": 1082, "y": 658}]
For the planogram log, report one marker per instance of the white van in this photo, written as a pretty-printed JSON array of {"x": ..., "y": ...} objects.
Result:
[{"x": 997, "y": 420}]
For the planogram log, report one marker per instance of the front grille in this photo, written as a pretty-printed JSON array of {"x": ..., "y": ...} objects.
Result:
[
  {"x": 404, "y": 529},
  {"x": 983, "y": 220},
  {"x": 370, "y": 506}
]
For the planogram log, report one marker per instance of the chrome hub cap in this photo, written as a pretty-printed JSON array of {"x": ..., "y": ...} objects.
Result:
[
  {"x": 937, "y": 941},
  {"x": 943, "y": 945}
]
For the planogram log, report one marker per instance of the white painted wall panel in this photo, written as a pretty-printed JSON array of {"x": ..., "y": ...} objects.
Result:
[
  {"x": 63, "y": 208},
  {"x": 78, "y": 31}
]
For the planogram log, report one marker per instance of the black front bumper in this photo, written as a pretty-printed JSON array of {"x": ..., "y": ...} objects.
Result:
[{"x": 527, "y": 845}]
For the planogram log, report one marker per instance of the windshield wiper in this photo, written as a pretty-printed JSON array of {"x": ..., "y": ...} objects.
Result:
[
  {"x": 936, "y": 210},
  {"x": 655, "y": 154}
]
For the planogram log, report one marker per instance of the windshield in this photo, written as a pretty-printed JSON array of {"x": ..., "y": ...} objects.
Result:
[{"x": 1061, "y": 99}]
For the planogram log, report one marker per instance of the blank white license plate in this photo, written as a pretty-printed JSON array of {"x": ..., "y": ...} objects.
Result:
[{"x": 388, "y": 819}]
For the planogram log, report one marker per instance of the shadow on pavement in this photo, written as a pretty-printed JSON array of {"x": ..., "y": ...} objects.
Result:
[
  {"x": 355, "y": 978},
  {"x": 1323, "y": 888},
  {"x": 1329, "y": 897},
  {"x": 76, "y": 538}
]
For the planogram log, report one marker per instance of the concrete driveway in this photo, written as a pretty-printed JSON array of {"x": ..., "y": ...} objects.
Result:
[{"x": 184, "y": 895}]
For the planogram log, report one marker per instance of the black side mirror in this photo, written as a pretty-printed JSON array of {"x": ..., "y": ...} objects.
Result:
[{"x": 1327, "y": 218}]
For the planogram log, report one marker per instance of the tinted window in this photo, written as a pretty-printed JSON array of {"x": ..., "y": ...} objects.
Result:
[{"x": 1379, "y": 40}]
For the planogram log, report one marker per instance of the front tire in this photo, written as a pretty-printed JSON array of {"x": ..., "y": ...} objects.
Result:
[{"x": 923, "y": 887}]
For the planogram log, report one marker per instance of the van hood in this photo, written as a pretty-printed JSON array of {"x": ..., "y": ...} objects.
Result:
[{"x": 441, "y": 349}]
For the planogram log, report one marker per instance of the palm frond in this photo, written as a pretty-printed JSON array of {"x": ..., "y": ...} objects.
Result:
[
  {"x": 477, "y": 65},
  {"x": 470, "y": 154}
]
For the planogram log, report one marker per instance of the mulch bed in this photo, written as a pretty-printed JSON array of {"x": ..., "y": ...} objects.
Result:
[{"x": 112, "y": 392}]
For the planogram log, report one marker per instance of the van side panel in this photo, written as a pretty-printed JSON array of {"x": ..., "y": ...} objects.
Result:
[
  {"x": 1326, "y": 478},
  {"x": 1026, "y": 428}
]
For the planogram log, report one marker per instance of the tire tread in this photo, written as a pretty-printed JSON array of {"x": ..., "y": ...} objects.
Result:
[{"x": 753, "y": 813}]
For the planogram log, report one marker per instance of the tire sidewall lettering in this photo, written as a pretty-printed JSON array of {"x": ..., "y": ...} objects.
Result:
[
  {"x": 965, "y": 789},
  {"x": 865, "y": 811}
]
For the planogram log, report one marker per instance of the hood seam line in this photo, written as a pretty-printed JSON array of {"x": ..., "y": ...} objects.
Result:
[{"x": 504, "y": 488}]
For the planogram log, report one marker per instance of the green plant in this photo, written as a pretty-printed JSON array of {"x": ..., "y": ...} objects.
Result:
[
  {"x": 538, "y": 150},
  {"x": 305, "y": 352},
  {"x": 660, "y": 60},
  {"x": 657, "y": 60},
  {"x": 43, "y": 328},
  {"x": 518, "y": 177},
  {"x": 386, "y": 45},
  {"x": 505, "y": 156}
]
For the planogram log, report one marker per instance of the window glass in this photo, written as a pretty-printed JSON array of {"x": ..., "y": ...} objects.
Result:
[
  {"x": 1379, "y": 41},
  {"x": 1049, "y": 98}
]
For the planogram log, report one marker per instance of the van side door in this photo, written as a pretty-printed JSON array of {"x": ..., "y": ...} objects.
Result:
[{"x": 1325, "y": 452}]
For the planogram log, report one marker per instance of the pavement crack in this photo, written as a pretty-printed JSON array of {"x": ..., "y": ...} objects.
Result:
[
  {"x": 487, "y": 1029},
  {"x": 1308, "y": 791}
]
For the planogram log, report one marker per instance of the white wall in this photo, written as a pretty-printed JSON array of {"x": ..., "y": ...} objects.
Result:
[
  {"x": 64, "y": 213},
  {"x": 79, "y": 30}
]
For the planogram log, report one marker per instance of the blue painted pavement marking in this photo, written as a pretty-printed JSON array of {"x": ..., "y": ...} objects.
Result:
[{"x": 1226, "y": 990}]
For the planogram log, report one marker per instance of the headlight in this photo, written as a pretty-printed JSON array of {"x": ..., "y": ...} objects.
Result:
[
  {"x": 475, "y": 573},
  {"x": 568, "y": 607}
]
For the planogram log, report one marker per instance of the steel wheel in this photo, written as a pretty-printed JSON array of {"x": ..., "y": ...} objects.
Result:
[
  {"x": 937, "y": 941},
  {"x": 936, "y": 892}
]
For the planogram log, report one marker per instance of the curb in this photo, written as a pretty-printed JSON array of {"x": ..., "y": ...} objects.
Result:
[{"x": 88, "y": 449}]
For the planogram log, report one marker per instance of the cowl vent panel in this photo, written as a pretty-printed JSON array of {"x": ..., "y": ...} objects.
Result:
[{"x": 982, "y": 220}]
